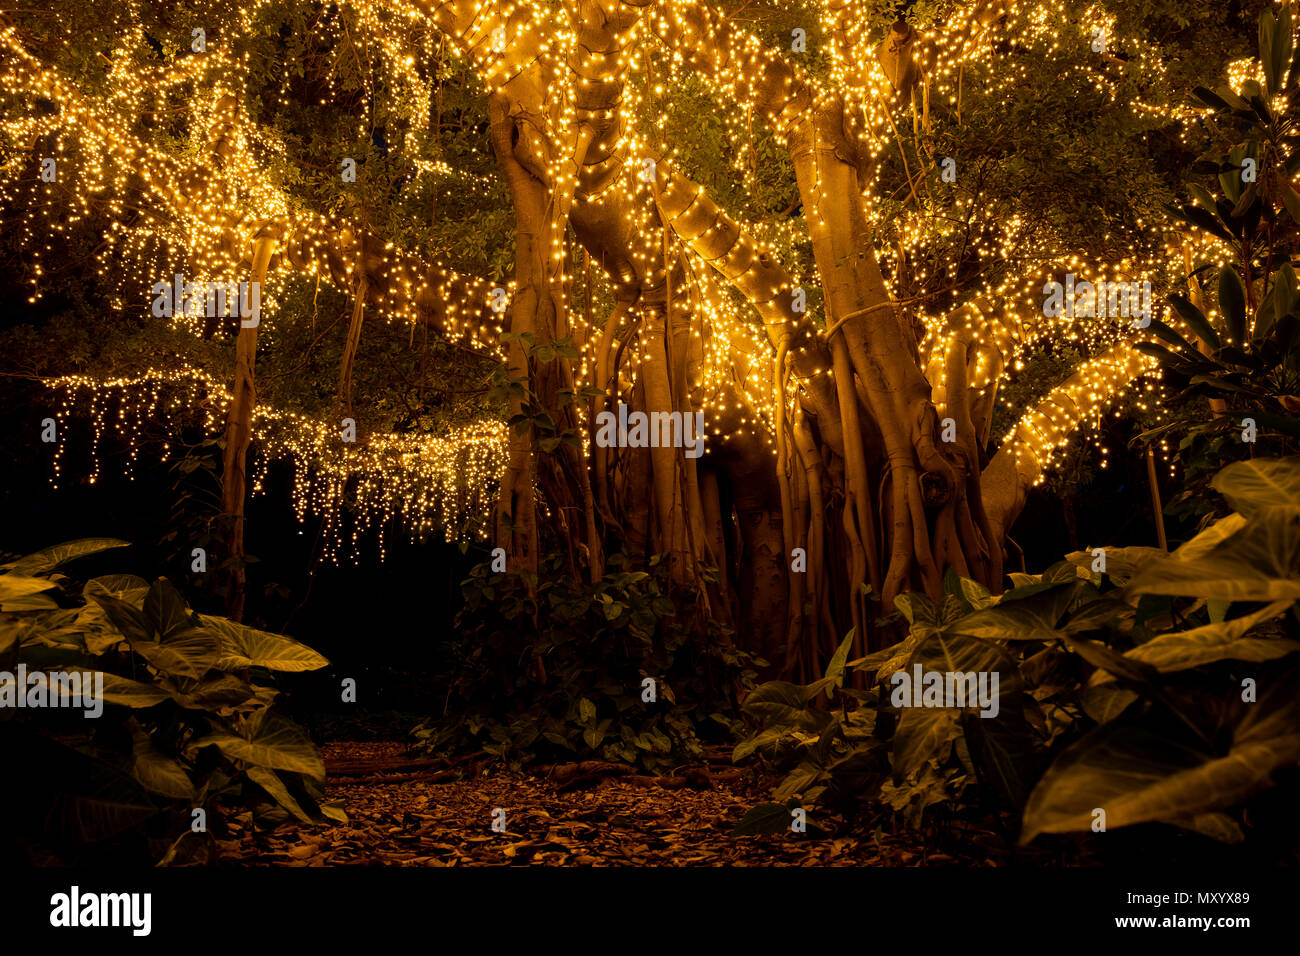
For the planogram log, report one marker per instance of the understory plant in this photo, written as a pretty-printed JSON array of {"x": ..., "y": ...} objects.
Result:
[
  {"x": 1239, "y": 370},
  {"x": 1134, "y": 687},
  {"x": 188, "y": 730},
  {"x": 626, "y": 669}
]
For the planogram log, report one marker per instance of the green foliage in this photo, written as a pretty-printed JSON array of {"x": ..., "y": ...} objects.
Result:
[
  {"x": 1130, "y": 689},
  {"x": 187, "y": 721},
  {"x": 547, "y": 668},
  {"x": 1250, "y": 362}
]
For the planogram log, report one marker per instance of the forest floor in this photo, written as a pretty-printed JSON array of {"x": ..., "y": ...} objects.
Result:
[{"x": 578, "y": 814}]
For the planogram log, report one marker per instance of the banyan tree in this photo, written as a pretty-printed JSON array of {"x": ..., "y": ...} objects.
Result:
[{"x": 845, "y": 352}]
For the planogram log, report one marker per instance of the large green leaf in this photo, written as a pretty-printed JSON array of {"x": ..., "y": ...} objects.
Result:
[
  {"x": 959, "y": 653},
  {"x": 268, "y": 740},
  {"x": 780, "y": 703},
  {"x": 1232, "y": 303},
  {"x": 1259, "y": 483},
  {"x": 96, "y": 630},
  {"x": 1209, "y": 539},
  {"x": 923, "y": 733},
  {"x": 1138, "y": 773},
  {"x": 1225, "y": 640},
  {"x": 183, "y": 652},
  {"x": 270, "y": 781},
  {"x": 47, "y": 559},
  {"x": 1261, "y": 562},
  {"x": 125, "y": 587},
  {"x": 1121, "y": 563},
  {"x": 763, "y": 738},
  {"x": 889, "y": 659},
  {"x": 248, "y": 647},
  {"x": 130, "y": 693},
  {"x": 190, "y": 653},
  {"x": 218, "y": 692},
  {"x": 29, "y": 602},
  {"x": 1110, "y": 611},
  {"x": 127, "y": 618},
  {"x": 166, "y": 609},
  {"x": 1196, "y": 319},
  {"x": 1016, "y": 621},
  {"x": 158, "y": 772},
  {"x": 14, "y": 586},
  {"x": 766, "y": 818}
]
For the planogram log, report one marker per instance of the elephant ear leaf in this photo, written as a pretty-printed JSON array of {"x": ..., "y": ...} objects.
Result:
[
  {"x": 268, "y": 740},
  {"x": 1259, "y": 483},
  {"x": 51, "y": 558},
  {"x": 243, "y": 646},
  {"x": 158, "y": 772},
  {"x": 1134, "y": 774}
]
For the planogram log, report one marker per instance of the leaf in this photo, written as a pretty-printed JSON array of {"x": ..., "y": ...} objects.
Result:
[
  {"x": 189, "y": 653},
  {"x": 127, "y": 693},
  {"x": 1004, "y": 754},
  {"x": 48, "y": 559},
  {"x": 1195, "y": 320},
  {"x": 1210, "y": 98},
  {"x": 243, "y": 646},
  {"x": 1258, "y": 483},
  {"x": 216, "y": 693},
  {"x": 1201, "y": 219},
  {"x": 269, "y": 781},
  {"x": 1105, "y": 702},
  {"x": 129, "y": 620},
  {"x": 1216, "y": 826},
  {"x": 1271, "y": 52},
  {"x": 1224, "y": 640},
  {"x": 959, "y": 653},
  {"x": 782, "y": 703},
  {"x": 1005, "y": 622},
  {"x": 125, "y": 587},
  {"x": 1261, "y": 562},
  {"x": 29, "y": 602},
  {"x": 189, "y": 848},
  {"x": 764, "y": 819},
  {"x": 1138, "y": 774},
  {"x": 1209, "y": 539},
  {"x": 916, "y": 607},
  {"x": 1232, "y": 303},
  {"x": 835, "y": 669},
  {"x": 798, "y": 783},
  {"x": 1110, "y": 611},
  {"x": 923, "y": 733},
  {"x": 14, "y": 586},
  {"x": 268, "y": 740},
  {"x": 1188, "y": 351},
  {"x": 1113, "y": 662},
  {"x": 156, "y": 771},
  {"x": 165, "y": 609}
]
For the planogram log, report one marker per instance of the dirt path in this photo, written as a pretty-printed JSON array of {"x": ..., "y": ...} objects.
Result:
[{"x": 430, "y": 822}]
